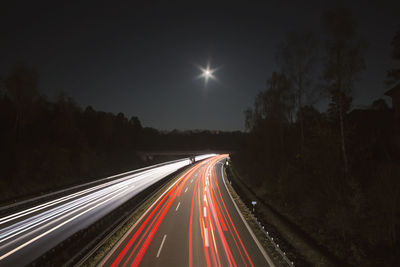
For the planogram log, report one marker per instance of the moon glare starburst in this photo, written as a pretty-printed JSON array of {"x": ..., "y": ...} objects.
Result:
[{"x": 207, "y": 73}]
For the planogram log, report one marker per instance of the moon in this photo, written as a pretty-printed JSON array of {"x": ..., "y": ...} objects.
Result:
[{"x": 207, "y": 73}]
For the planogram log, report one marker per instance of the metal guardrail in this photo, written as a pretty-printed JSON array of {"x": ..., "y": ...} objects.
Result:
[
  {"x": 266, "y": 233},
  {"x": 79, "y": 186},
  {"x": 112, "y": 229},
  {"x": 270, "y": 238}
]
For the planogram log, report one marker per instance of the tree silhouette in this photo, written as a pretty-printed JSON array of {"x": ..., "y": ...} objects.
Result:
[
  {"x": 344, "y": 61},
  {"x": 393, "y": 75},
  {"x": 22, "y": 87},
  {"x": 271, "y": 115},
  {"x": 380, "y": 104},
  {"x": 296, "y": 56}
]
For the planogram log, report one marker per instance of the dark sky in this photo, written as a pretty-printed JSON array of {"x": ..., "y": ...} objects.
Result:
[{"x": 141, "y": 58}]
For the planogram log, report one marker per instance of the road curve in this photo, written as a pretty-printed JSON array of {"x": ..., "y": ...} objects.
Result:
[
  {"x": 27, "y": 234},
  {"x": 194, "y": 223}
]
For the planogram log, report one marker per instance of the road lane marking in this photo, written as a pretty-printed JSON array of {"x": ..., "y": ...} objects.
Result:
[
  {"x": 191, "y": 181},
  {"x": 186, "y": 189},
  {"x": 206, "y": 237},
  {"x": 141, "y": 217},
  {"x": 162, "y": 243},
  {"x": 177, "y": 207},
  {"x": 205, "y": 212},
  {"x": 213, "y": 238}
]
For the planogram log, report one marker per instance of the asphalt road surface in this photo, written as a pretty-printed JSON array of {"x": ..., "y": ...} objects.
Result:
[
  {"x": 27, "y": 234},
  {"x": 194, "y": 223}
]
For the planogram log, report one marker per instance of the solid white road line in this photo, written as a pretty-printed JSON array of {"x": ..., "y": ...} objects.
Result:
[
  {"x": 162, "y": 243},
  {"x": 206, "y": 237},
  {"x": 263, "y": 252},
  {"x": 177, "y": 207},
  {"x": 112, "y": 251}
]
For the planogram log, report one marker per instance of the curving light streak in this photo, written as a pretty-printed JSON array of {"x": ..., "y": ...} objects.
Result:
[
  {"x": 211, "y": 229},
  {"x": 77, "y": 210}
]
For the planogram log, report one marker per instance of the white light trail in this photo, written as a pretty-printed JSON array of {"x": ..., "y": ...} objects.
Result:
[{"x": 22, "y": 228}]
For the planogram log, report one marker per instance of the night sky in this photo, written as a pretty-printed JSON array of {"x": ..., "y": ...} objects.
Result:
[{"x": 141, "y": 59}]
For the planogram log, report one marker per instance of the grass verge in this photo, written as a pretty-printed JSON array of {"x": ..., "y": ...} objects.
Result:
[
  {"x": 298, "y": 247},
  {"x": 255, "y": 226}
]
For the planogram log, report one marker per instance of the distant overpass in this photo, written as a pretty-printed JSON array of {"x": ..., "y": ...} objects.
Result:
[{"x": 149, "y": 155}]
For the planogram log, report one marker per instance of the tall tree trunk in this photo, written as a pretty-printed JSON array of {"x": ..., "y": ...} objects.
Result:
[
  {"x": 301, "y": 113},
  {"x": 281, "y": 137},
  {"x": 346, "y": 169},
  {"x": 17, "y": 124},
  {"x": 341, "y": 96}
]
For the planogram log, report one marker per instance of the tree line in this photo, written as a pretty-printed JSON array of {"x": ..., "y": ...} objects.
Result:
[
  {"x": 334, "y": 173},
  {"x": 46, "y": 145}
]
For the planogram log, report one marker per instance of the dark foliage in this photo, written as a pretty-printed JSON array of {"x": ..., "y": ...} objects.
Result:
[
  {"x": 357, "y": 217},
  {"x": 393, "y": 75},
  {"x": 48, "y": 145},
  {"x": 352, "y": 209}
]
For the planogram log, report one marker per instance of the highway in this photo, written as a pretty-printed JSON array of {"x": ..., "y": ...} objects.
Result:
[
  {"x": 28, "y": 233},
  {"x": 194, "y": 223}
]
